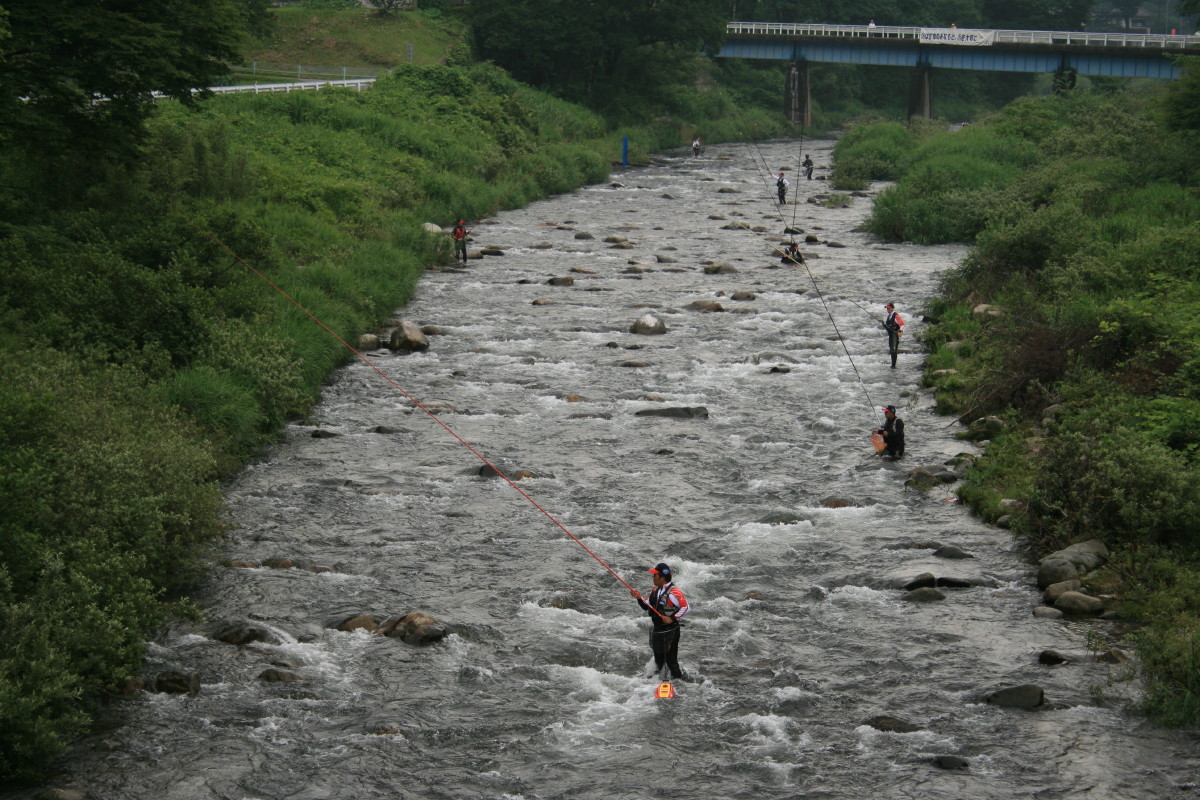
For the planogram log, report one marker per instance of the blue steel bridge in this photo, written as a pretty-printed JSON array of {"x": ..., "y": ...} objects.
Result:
[{"x": 1063, "y": 53}]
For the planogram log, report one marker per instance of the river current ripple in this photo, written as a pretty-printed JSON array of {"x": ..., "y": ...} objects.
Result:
[{"x": 798, "y": 634}]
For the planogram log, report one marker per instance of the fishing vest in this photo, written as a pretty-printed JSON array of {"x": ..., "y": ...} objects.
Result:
[{"x": 890, "y": 323}]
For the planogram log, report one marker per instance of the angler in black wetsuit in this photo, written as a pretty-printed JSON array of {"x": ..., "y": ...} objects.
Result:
[
  {"x": 666, "y": 605},
  {"x": 892, "y": 433},
  {"x": 894, "y": 327}
]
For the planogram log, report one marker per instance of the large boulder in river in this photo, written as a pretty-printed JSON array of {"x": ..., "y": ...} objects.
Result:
[
  {"x": 1027, "y": 696},
  {"x": 408, "y": 338},
  {"x": 243, "y": 633},
  {"x": 648, "y": 324},
  {"x": 415, "y": 627},
  {"x": 1071, "y": 562}
]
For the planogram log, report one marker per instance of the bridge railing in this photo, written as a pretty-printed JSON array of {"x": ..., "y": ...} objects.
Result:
[{"x": 1074, "y": 38}]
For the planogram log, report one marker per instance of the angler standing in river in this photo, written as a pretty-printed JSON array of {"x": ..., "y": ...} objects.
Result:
[
  {"x": 782, "y": 186},
  {"x": 666, "y": 606},
  {"x": 894, "y": 327}
]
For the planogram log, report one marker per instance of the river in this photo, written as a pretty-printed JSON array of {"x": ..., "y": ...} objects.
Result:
[{"x": 798, "y": 634}]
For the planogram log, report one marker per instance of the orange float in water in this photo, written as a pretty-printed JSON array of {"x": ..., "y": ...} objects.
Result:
[{"x": 664, "y": 691}]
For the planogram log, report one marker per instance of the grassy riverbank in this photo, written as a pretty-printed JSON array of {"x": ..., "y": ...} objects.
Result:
[
  {"x": 1083, "y": 213},
  {"x": 143, "y": 361}
]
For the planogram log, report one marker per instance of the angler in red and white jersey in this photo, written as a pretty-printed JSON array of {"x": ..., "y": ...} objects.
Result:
[{"x": 666, "y": 606}]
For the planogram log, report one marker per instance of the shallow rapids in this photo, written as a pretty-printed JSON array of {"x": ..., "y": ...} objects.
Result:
[{"x": 798, "y": 633}]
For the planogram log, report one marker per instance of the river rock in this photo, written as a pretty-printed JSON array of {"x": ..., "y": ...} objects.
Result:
[
  {"x": 1052, "y": 658},
  {"x": 415, "y": 627},
  {"x": 1046, "y": 612},
  {"x": 1071, "y": 562},
  {"x": 1078, "y": 603},
  {"x": 720, "y": 268},
  {"x": 837, "y": 502},
  {"x": 947, "y": 582},
  {"x": 408, "y": 338},
  {"x": 926, "y": 594},
  {"x": 276, "y": 675},
  {"x": 362, "y": 621},
  {"x": 950, "y": 762},
  {"x": 1026, "y": 696},
  {"x": 177, "y": 682},
  {"x": 705, "y": 305},
  {"x": 648, "y": 325},
  {"x": 491, "y": 251},
  {"x": 921, "y": 479},
  {"x": 743, "y": 296},
  {"x": 243, "y": 633},
  {"x": 432, "y": 227},
  {"x": 891, "y": 724},
  {"x": 676, "y": 412},
  {"x": 982, "y": 428},
  {"x": 321, "y": 433},
  {"x": 368, "y": 341},
  {"x": 1055, "y": 590},
  {"x": 583, "y": 235},
  {"x": 951, "y": 551},
  {"x": 923, "y": 580},
  {"x": 563, "y": 280}
]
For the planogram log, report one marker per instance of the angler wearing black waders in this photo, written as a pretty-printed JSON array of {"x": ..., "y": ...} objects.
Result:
[
  {"x": 666, "y": 606},
  {"x": 782, "y": 185},
  {"x": 894, "y": 327}
]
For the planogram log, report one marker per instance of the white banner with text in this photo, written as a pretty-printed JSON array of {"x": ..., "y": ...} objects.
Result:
[{"x": 956, "y": 36}]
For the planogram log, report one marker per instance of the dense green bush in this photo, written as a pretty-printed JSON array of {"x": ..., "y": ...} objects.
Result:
[{"x": 1092, "y": 259}]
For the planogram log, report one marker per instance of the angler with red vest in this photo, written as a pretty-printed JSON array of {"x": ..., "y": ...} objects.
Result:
[
  {"x": 460, "y": 240},
  {"x": 666, "y": 606}
]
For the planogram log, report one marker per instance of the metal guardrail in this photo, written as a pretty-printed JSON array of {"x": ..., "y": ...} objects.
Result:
[
  {"x": 358, "y": 85},
  {"x": 1074, "y": 38}
]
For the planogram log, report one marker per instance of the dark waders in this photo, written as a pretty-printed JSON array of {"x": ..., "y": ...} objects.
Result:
[
  {"x": 893, "y": 345},
  {"x": 665, "y": 644}
]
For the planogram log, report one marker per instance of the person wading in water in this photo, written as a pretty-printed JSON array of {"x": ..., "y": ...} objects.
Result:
[
  {"x": 460, "y": 240},
  {"x": 892, "y": 433},
  {"x": 894, "y": 327},
  {"x": 782, "y": 185},
  {"x": 666, "y": 606}
]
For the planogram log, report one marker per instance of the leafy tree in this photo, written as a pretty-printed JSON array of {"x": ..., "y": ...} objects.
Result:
[
  {"x": 579, "y": 48},
  {"x": 1182, "y": 102},
  {"x": 80, "y": 75}
]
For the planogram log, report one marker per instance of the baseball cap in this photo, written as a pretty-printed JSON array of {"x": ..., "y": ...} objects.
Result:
[
  {"x": 662, "y": 569},
  {"x": 890, "y": 408},
  {"x": 889, "y": 305}
]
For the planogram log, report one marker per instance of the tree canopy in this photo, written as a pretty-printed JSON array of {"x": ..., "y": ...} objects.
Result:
[
  {"x": 581, "y": 48},
  {"x": 80, "y": 74}
]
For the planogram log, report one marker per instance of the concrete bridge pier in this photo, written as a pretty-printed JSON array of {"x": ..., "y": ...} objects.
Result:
[
  {"x": 797, "y": 98},
  {"x": 920, "y": 92}
]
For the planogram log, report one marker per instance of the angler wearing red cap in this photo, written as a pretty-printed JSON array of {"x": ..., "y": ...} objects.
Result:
[
  {"x": 666, "y": 606},
  {"x": 460, "y": 240},
  {"x": 894, "y": 326},
  {"x": 892, "y": 433}
]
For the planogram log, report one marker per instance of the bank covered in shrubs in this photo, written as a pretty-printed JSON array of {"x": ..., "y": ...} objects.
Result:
[
  {"x": 143, "y": 361},
  {"x": 1075, "y": 322}
]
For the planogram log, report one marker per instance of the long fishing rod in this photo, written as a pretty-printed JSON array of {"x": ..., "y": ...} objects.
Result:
[
  {"x": 813, "y": 278},
  {"x": 417, "y": 403}
]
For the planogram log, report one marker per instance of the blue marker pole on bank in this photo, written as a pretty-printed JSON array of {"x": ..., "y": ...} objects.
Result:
[{"x": 624, "y": 151}]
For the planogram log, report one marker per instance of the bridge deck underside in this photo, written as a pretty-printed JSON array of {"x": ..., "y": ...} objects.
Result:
[{"x": 992, "y": 59}]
